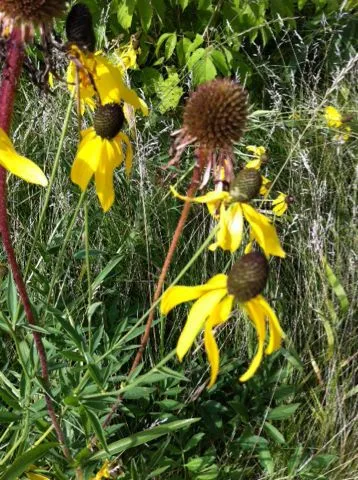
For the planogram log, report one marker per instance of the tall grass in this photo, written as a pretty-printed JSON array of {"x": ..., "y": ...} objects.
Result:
[{"x": 315, "y": 369}]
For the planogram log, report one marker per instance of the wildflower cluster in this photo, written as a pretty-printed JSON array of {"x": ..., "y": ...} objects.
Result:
[
  {"x": 336, "y": 121},
  {"x": 231, "y": 204}
]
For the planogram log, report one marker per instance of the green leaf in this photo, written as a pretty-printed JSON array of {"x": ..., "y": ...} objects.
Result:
[
  {"x": 183, "y": 4},
  {"x": 282, "y": 412},
  {"x": 21, "y": 463},
  {"x": 266, "y": 460},
  {"x": 143, "y": 437},
  {"x": 169, "y": 92},
  {"x": 301, "y": 4},
  {"x": 160, "y": 42},
  {"x": 203, "y": 71},
  {"x": 145, "y": 11},
  {"x": 106, "y": 271},
  {"x": 97, "y": 427},
  {"x": 170, "y": 45},
  {"x": 125, "y": 13},
  {"x": 274, "y": 433},
  {"x": 336, "y": 285},
  {"x": 220, "y": 62},
  {"x": 12, "y": 299}
]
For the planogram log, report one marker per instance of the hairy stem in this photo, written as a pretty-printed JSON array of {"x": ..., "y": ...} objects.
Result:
[{"x": 10, "y": 77}]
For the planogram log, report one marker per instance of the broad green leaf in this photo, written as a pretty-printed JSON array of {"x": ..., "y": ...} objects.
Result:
[
  {"x": 169, "y": 92},
  {"x": 160, "y": 42},
  {"x": 145, "y": 11},
  {"x": 195, "y": 57},
  {"x": 301, "y": 4},
  {"x": 282, "y": 412},
  {"x": 125, "y": 13},
  {"x": 159, "y": 7},
  {"x": 203, "y": 71},
  {"x": 252, "y": 441},
  {"x": 8, "y": 417},
  {"x": 266, "y": 460},
  {"x": 337, "y": 287},
  {"x": 220, "y": 62},
  {"x": 22, "y": 462},
  {"x": 294, "y": 460},
  {"x": 97, "y": 427},
  {"x": 183, "y": 4},
  {"x": 274, "y": 433},
  {"x": 170, "y": 45},
  {"x": 198, "y": 40},
  {"x": 143, "y": 437}
]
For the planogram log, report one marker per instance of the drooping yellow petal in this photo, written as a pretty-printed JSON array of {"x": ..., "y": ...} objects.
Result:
[
  {"x": 87, "y": 159},
  {"x": 256, "y": 164},
  {"x": 280, "y": 204},
  {"x": 129, "y": 152},
  {"x": 265, "y": 186},
  {"x": 276, "y": 332},
  {"x": 212, "y": 199},
  {"x": 179, "y": 294},
  {"x": 198, "y": 314},
  {"x": 219, "y": 315},
  {"x": 333, "y": 117},
  {"x": 257, "y": 151},
  {"x": 235, "y": 225},
  {"x": 104, "y": 181},
  {"x": 17, "y": 164},
  {"x": 256, "y": 315},
  {"x": 223, "y": 239},
  {"x": 263, "y": 232},
  {"x": 104, "y": 472}
]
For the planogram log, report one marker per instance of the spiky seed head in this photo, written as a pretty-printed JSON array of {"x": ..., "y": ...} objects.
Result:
[
  {"x": 30, "y": 14},
  {"x": 246, "y": 185},
  {"x": 108, "y": 120},
  {"x": 248, "y": 276},
  {"x": 79, "y": 27},
  {"x": 216, "y": 113}
]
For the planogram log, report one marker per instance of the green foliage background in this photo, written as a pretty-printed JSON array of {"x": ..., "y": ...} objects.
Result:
[{"x": 295, "y": 419}]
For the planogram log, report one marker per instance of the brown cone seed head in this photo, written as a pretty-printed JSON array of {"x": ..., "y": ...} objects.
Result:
[
  {"x": 216, "y": 113},
  {"x": 79, "y": 27},
  {"x": 31, "y": 12},
  {"x": 246, "y": 185},
  {"x": 108, "y": 120},
  {"x": 248, "y": 276}
]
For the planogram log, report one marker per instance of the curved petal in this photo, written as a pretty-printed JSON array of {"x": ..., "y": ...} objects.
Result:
[
  {"x": 18, "y": 165},
  {"x": 279, "y": 204},
  {"x": 222, "y": 236},
  {"x": 235, "y": 225},
  {"x": 219, "y": 315},
  {"x": 256, "y": 164},
  {"x": 276, "y": 332},
  {"x": 179, "y": 294},
  {"x": 104, "y": 177},
  {"x": 211, "y": 199},
  {"x": 129, "y": 152},
  {"x": 86, "y": 161},
  {"x": 257, "y": 316},
  {"x": 199, "y": 312},
  {"x": 263, "y": 232}
]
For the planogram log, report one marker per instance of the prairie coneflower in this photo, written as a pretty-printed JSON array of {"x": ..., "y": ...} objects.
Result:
[
  {"x": 333, "y": 117},
  {"x": 19, "y": 165},
  {"x": 100, "y": 152},
  {"x": 214, "y": 303},
  {"x": 280, "y": 204},
  {"x": 214, "y": 118},
  {"x": 28, "y": 15},
  {"x": 233, "y": 208},
  {"x": 260, "y": 158}
]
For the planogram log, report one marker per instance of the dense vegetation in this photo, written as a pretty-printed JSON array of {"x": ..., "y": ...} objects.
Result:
[{"x": 91, "y": 275}]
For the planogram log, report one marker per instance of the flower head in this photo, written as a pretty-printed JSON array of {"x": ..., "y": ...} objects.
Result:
[
  {"x": 104, "y": 471},
  {"x": 79, "y": 27},
  {"x": 29, "y": 15},
  {"x": 214, "y": 118},
  {"x": 333, "y": 117},
  {"x": 100, "y": 152},
  {"x": 281, "y": 203},
  {"x": 99, "y": 78},
  {"x": 19, "y": 165},
  {"x": 233, "y": 208},
  {"x": 259, "y": 154},
  {"x": 213, "y": 306}
]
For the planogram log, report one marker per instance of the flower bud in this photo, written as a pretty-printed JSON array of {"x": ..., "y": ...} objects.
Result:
[
  {"x": 248, "y": 276},
  {"x": 246, "y": 185},
  {"x": 108, "y": 120}
]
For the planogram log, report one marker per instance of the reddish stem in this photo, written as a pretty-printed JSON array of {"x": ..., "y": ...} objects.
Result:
[
  {"x": 195, "y": 181},
  {"x": 10, "y": 77}
]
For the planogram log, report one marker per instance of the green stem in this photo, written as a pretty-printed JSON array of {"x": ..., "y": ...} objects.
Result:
[{"x": 88, "y": 268}]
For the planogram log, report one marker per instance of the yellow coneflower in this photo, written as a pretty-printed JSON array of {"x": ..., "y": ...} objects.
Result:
[
  {"x": 232, "y": 208},
  {"x": 100, "y": 152},
  {"x": 214, "y": 303}
]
